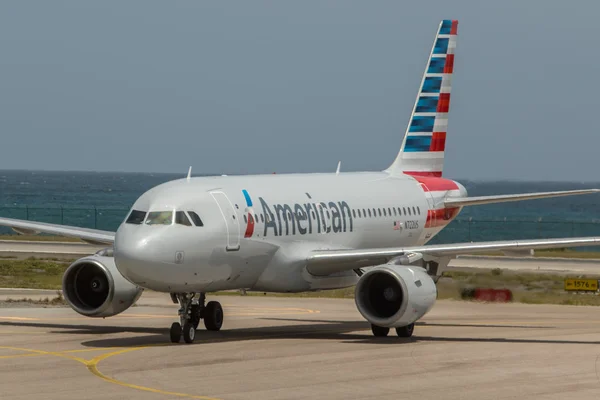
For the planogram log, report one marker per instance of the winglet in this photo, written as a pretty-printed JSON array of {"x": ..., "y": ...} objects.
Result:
[
  {"x": 337, "y": 171},
  {"x": 189, "y": 175}
]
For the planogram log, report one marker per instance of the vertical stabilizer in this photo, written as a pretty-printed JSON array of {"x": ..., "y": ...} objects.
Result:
[{"x": 422, "y": 151}]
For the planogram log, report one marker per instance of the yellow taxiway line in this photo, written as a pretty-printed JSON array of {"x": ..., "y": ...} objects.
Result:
[{"x": 92, "y": 366}]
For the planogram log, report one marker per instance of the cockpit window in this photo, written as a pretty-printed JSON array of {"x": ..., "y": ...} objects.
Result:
[
  {"x": 195, "y": 218},
  {"x": 160, "y": 218},
  {"x": 182, "y": 219},
  {"x": 136, "y": 217}
]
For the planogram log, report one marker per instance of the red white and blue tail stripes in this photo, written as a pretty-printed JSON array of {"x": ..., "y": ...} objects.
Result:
[{"x": 422, "y": 152}]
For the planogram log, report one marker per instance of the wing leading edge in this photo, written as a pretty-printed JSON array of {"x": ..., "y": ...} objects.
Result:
[
  {"x": 326, "y": 262},
  {"x": 88, "y": 235},
  {"x": 473, "y": 201}
]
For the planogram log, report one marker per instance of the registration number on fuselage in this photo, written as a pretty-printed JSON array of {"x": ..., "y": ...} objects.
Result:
[{"x": 411, "y": 224}]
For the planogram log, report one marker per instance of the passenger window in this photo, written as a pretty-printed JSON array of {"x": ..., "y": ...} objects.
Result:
[
  {"x": 394, "y": 211},
  {"x": 136, "y": 217},
  {"x": 182, "y": 219},
  {"x": 354, "y": 213},
  {"x": 364, "y": 213},
  {"x": 399, "y": 211},
  {"x": 389, "y": 211},
  {"x": 160, "y": 218},
  {"x": 374, "y": 212},
  {"x": 262, "y": 218},
  {"x": 418, "y": 211},
  {"x": 409, "y": 211},
  {"x": 369, "y": 213},
  {"x": 404, "y": 210},
  {"x": 359, "y": 216},
  {"x": 384, "y": 214},
  {"x": 195, "y": 218},
  {"x": 414, "y": 211},
  {"x": 379, "y": 209}
]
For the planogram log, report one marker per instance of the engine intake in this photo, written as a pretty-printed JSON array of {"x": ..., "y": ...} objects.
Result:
[
  {"x": 393, "y": 296},
  {"x": 94, "y": 287}
]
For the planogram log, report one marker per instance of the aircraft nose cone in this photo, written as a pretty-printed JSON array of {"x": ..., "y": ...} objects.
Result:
[{"x": 131, "y": 253}]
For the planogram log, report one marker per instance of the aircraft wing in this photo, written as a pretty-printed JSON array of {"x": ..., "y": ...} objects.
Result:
[
  {"x": 473, "y": 201},
  {"x": 326, "y": 262},
  {"x": 31, "y": 227}
]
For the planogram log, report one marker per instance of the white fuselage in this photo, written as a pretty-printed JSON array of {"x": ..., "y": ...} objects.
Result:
[{"x": 258, "y": 230}]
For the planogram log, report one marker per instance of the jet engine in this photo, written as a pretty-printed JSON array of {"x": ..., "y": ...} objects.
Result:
[
  {"x": 94, "y": 287},
  {"x": 394, "y": 295}
]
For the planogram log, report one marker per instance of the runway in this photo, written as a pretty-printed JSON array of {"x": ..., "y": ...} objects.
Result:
[{"x": 290, "y": 348}]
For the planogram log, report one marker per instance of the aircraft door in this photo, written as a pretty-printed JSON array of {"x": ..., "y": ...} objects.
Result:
[{"x": 231, "y": 221}]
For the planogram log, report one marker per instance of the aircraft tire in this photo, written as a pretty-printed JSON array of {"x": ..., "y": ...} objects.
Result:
[
  {"x": 405, "y": 331},
  {"x": 213, "y": 316},
  {"x": 379, "y": 331},
  {"x": 189, "y": 332},
  {"x": 175, "y": 332}
]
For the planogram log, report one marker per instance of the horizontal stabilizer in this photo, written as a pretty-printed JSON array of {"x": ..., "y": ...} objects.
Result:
[{"x": 474, "y": 201}]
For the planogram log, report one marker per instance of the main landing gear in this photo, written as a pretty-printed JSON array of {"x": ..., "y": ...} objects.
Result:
[
  {"x": 403, "y": 331},
  {"x": 193, "y": 309}
]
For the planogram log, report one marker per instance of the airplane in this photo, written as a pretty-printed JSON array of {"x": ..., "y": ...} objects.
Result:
[{"x": 296, "y": 232}]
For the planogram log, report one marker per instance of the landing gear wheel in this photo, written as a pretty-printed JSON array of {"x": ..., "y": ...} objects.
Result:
[
  {"x": 175, "y": 332},
  {"x": 405, "y": 331},
  {"x": 380, "y": 331},
  {"x": 195, "y": 311},
  {"x": 189, "y": 332},
  {"x": 213, "y": 316}
]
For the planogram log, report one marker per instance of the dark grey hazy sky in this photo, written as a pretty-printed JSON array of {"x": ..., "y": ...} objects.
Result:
[{"x": 262, "y": 86}]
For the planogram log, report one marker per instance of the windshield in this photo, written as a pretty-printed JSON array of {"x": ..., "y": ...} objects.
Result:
[
  {"x": 160, "y": 218},
  {"x": 182, "y": 219},
  {"x": 136, "y": 217},
  {"x": 195, "y": 218}
]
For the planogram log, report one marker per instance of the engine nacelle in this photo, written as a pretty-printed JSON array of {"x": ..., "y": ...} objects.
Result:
[
  {"x": 94, "y": 287},
  {"x": 393, "y": 296}
]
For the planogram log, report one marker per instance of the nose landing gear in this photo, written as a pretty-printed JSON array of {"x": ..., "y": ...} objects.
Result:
[{"x": 193, "y": 309}]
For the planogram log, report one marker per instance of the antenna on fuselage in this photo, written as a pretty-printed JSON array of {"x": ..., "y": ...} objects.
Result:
[
  {"x": 337, "y": 171},
  {"x": 189, "y": 175}
]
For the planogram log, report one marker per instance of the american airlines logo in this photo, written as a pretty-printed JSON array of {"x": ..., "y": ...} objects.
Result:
[{"x": 307, "y": 218}]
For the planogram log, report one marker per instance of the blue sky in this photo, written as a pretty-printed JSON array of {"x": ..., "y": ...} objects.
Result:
[{"x": 263, "y": 86}]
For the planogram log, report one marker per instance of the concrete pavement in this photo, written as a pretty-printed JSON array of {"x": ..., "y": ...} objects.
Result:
[{"x": 287, "y": 348}]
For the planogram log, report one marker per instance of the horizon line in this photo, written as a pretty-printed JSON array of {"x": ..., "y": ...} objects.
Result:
[{"x": 184, "y": 174}]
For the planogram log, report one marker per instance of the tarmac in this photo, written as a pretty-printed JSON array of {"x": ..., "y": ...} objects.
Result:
[{"x": 301, "y": 348}]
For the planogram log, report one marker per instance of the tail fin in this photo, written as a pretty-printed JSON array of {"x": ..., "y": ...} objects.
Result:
[{"x": 422, "y": 151}]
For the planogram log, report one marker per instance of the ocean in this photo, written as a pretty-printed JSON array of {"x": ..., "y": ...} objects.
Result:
[{"x": 101, "y": 200}]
